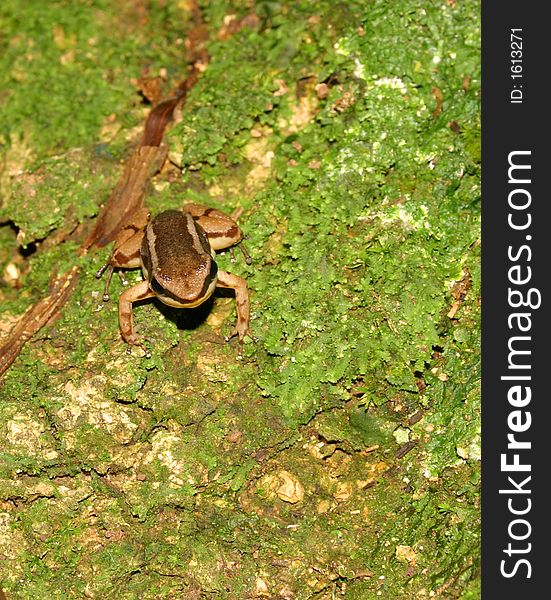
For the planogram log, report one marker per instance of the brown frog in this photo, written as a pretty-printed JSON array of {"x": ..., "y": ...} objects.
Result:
[{"x": 175, "y": 251}]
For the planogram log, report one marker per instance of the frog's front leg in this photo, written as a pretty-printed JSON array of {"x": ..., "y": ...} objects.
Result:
[
  {"x": 140, "y": 291},
  {"x": 239, "y": 285}
]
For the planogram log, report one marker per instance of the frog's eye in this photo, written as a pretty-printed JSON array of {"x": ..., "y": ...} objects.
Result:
[
  {"x": 157, "y": 287},
  {"x": 210, "y": 281}
]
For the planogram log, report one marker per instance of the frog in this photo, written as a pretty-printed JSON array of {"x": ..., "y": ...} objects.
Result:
[{"x": 176, "y": 251}]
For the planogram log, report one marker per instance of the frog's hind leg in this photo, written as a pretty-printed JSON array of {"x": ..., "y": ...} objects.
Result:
[
  {"x": 125, "y": 255},
  {"x": 220, "y": 228}
]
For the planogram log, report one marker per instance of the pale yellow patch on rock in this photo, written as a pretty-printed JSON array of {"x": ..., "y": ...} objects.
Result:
[
  {"x": 25, "y": 433},
  {"x": 211, "y": 368},
  {"x": 12, "y": 540},
  {"x": 164, "y": 446},
  {"x": 7, "y": 323},
  {"x": 344, "y": 491},
  {"x": 302, "y": 114},
  {"x": 285, "y": 486},
  {"x": 261, "y": 586},
  {"x": 259, "y": 151},
  {"x": 85, "y": 405},
  {"x": 19, "y": 154},
  {"x": 406, "y": 554}
]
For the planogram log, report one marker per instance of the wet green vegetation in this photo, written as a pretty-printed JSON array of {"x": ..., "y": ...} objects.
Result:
[{"x": 339, "y": 457}]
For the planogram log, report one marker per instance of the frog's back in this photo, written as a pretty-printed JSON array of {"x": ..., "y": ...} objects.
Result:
[{"x": 176, "y": 253}]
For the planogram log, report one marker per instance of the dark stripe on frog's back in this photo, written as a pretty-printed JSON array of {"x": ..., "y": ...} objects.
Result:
[
  {"x": 182, "y": 242},
  {"x": 230, "y": 233}
]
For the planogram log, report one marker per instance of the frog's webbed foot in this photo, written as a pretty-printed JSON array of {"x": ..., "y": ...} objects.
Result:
[
  {"x": 138, "y": 342},
  {"x": 240, "y": 333}
]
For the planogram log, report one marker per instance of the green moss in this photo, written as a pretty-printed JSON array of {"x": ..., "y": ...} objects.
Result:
[
  {"x": 66, "y": 188},
  {"x": 66, "y": 72}
]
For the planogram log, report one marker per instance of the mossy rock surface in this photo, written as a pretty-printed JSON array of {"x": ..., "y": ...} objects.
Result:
[{"x": 339, "y": 456}]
